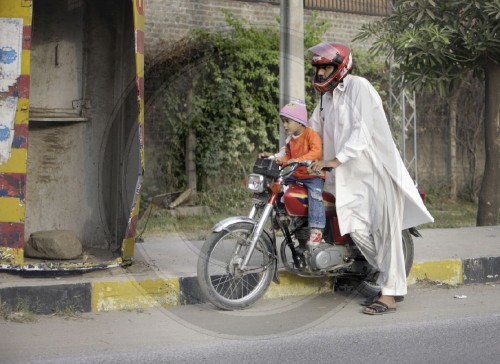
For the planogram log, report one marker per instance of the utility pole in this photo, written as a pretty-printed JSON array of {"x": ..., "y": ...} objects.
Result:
[{"x": 291, "y": 54}]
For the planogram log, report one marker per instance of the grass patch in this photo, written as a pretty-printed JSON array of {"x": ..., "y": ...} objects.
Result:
[
  {"x": 136, "y": 309},
  {"x": 427, "y": 283},
  {"x": 70, "y": 312},
  {"x": 235, "y": 201},
  {"x": 222, "y": 201},
  {"x": 20, "y": 314},
  {"x": 450, "y": 213},
  {"x": 193, "y": 227},
  {"x": 4, "y": 310}
]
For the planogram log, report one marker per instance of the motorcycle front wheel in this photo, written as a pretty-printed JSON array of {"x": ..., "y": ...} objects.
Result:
[
  {"x": 220, "y": 279},
  {"x": 368, "y": 288}
]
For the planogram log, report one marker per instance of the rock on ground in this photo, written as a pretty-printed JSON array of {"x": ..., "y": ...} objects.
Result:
[{"x": 53, "y": 244}]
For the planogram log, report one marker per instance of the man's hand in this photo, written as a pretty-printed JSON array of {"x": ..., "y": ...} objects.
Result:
[{"x": 319, "y": 165}]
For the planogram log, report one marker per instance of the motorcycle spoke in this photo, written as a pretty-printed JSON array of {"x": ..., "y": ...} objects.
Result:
[
  {"x": 219, "y": 281},
  {"x": 231, "y": 289},
  {"x": 222, "y": 285},
  {"x": 234, "y": 287}
]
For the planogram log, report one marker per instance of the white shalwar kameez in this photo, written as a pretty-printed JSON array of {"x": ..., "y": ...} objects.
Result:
[{"x": 375, "y": 196}]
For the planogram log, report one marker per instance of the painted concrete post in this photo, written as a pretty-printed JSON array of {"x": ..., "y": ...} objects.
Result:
[
  {"x": 291, "y": 55},
  {"x": 15, "y": 47}
]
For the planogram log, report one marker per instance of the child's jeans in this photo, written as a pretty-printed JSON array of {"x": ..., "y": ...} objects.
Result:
[{"x": 316, "y": 207}]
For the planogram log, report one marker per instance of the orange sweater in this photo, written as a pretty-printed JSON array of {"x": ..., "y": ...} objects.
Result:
[{"x": 307, "y": 146}]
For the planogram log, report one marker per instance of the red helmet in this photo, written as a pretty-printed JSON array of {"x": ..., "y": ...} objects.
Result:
[{"x": 330, "y": 54}]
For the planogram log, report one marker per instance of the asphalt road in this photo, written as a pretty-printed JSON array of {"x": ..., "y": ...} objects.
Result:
[{"x": 433, "y": 325}]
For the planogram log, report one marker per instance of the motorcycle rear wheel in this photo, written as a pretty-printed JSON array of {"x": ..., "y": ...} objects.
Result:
[
  {"x": 369, "y": 288},
  {"x": 220, "y": 280}
]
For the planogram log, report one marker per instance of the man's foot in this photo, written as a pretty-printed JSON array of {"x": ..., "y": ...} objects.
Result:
[
  {"x": 385, "y": 304},
  {"x": 314, "y": 238},
  {"x": 367, "y": 302}
]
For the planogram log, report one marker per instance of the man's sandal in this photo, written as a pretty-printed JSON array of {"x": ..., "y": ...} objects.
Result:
[
  {"x": 378, "y": 308},
  {"x": 371, "y": 300}
]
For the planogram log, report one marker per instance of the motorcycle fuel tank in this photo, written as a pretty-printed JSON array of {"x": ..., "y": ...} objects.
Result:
[{"x": 296, "y": 203}]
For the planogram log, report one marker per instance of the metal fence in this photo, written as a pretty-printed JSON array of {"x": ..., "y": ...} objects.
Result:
[{"x": 364, "y": 7}]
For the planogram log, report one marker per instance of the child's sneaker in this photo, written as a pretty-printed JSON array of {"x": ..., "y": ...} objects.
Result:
[{"x": 314, "y": 238}]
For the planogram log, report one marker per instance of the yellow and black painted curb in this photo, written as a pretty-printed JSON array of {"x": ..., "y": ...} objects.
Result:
[{"x": 131, "y": 293}]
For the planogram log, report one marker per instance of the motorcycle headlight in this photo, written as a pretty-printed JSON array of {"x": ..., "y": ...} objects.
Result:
[{"x": 256, "y": 183}]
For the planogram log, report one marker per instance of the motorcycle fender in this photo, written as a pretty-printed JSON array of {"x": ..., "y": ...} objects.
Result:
[
  {"x": 413, "y": 231},
  {"x": 221, "y": 225}
]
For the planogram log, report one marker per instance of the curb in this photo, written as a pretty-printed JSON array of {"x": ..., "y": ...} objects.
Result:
[
  {"x": 132, "y": 294},
  {"x": 457, "y": 271}
]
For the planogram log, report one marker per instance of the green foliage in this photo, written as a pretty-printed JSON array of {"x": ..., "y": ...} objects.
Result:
[
  {"x": 435, "y": 42},
  {"x": 225, "y": 88},
  {"x": 228, "y": 200},
  {"x": 235, "y": 96}
]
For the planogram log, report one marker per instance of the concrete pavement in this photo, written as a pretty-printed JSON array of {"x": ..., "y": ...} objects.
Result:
[{"x": 164, "y": 273}]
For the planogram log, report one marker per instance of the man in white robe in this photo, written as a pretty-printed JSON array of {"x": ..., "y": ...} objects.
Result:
[{"x": 375, "y": 196}]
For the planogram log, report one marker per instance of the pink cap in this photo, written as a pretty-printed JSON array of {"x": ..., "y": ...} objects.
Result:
[{"x": 297, "y": 111}]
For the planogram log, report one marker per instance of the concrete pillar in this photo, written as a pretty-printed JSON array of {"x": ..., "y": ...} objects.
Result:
[{"x": 291, "y": 54}]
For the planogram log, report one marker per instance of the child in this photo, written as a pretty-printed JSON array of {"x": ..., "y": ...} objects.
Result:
[{"x": 303, "y": 144}]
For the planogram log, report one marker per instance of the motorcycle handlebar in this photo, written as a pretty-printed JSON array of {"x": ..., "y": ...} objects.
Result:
[{"x": 308, "y": 163}]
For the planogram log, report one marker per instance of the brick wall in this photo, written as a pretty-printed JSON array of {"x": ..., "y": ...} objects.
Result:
[{"x": 169, "y": 20}]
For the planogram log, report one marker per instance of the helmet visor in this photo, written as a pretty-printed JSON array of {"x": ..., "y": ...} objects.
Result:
[{"x": 323, "y": 54}]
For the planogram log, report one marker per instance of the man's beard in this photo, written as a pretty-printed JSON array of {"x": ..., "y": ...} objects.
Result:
[{"x": 321, "y": 78}]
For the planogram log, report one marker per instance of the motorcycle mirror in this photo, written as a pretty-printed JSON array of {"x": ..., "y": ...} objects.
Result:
[{"x": 289, "y": 169}]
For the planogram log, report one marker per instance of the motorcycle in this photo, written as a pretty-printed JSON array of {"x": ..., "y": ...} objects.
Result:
[{"x": 240, "y": 257}]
